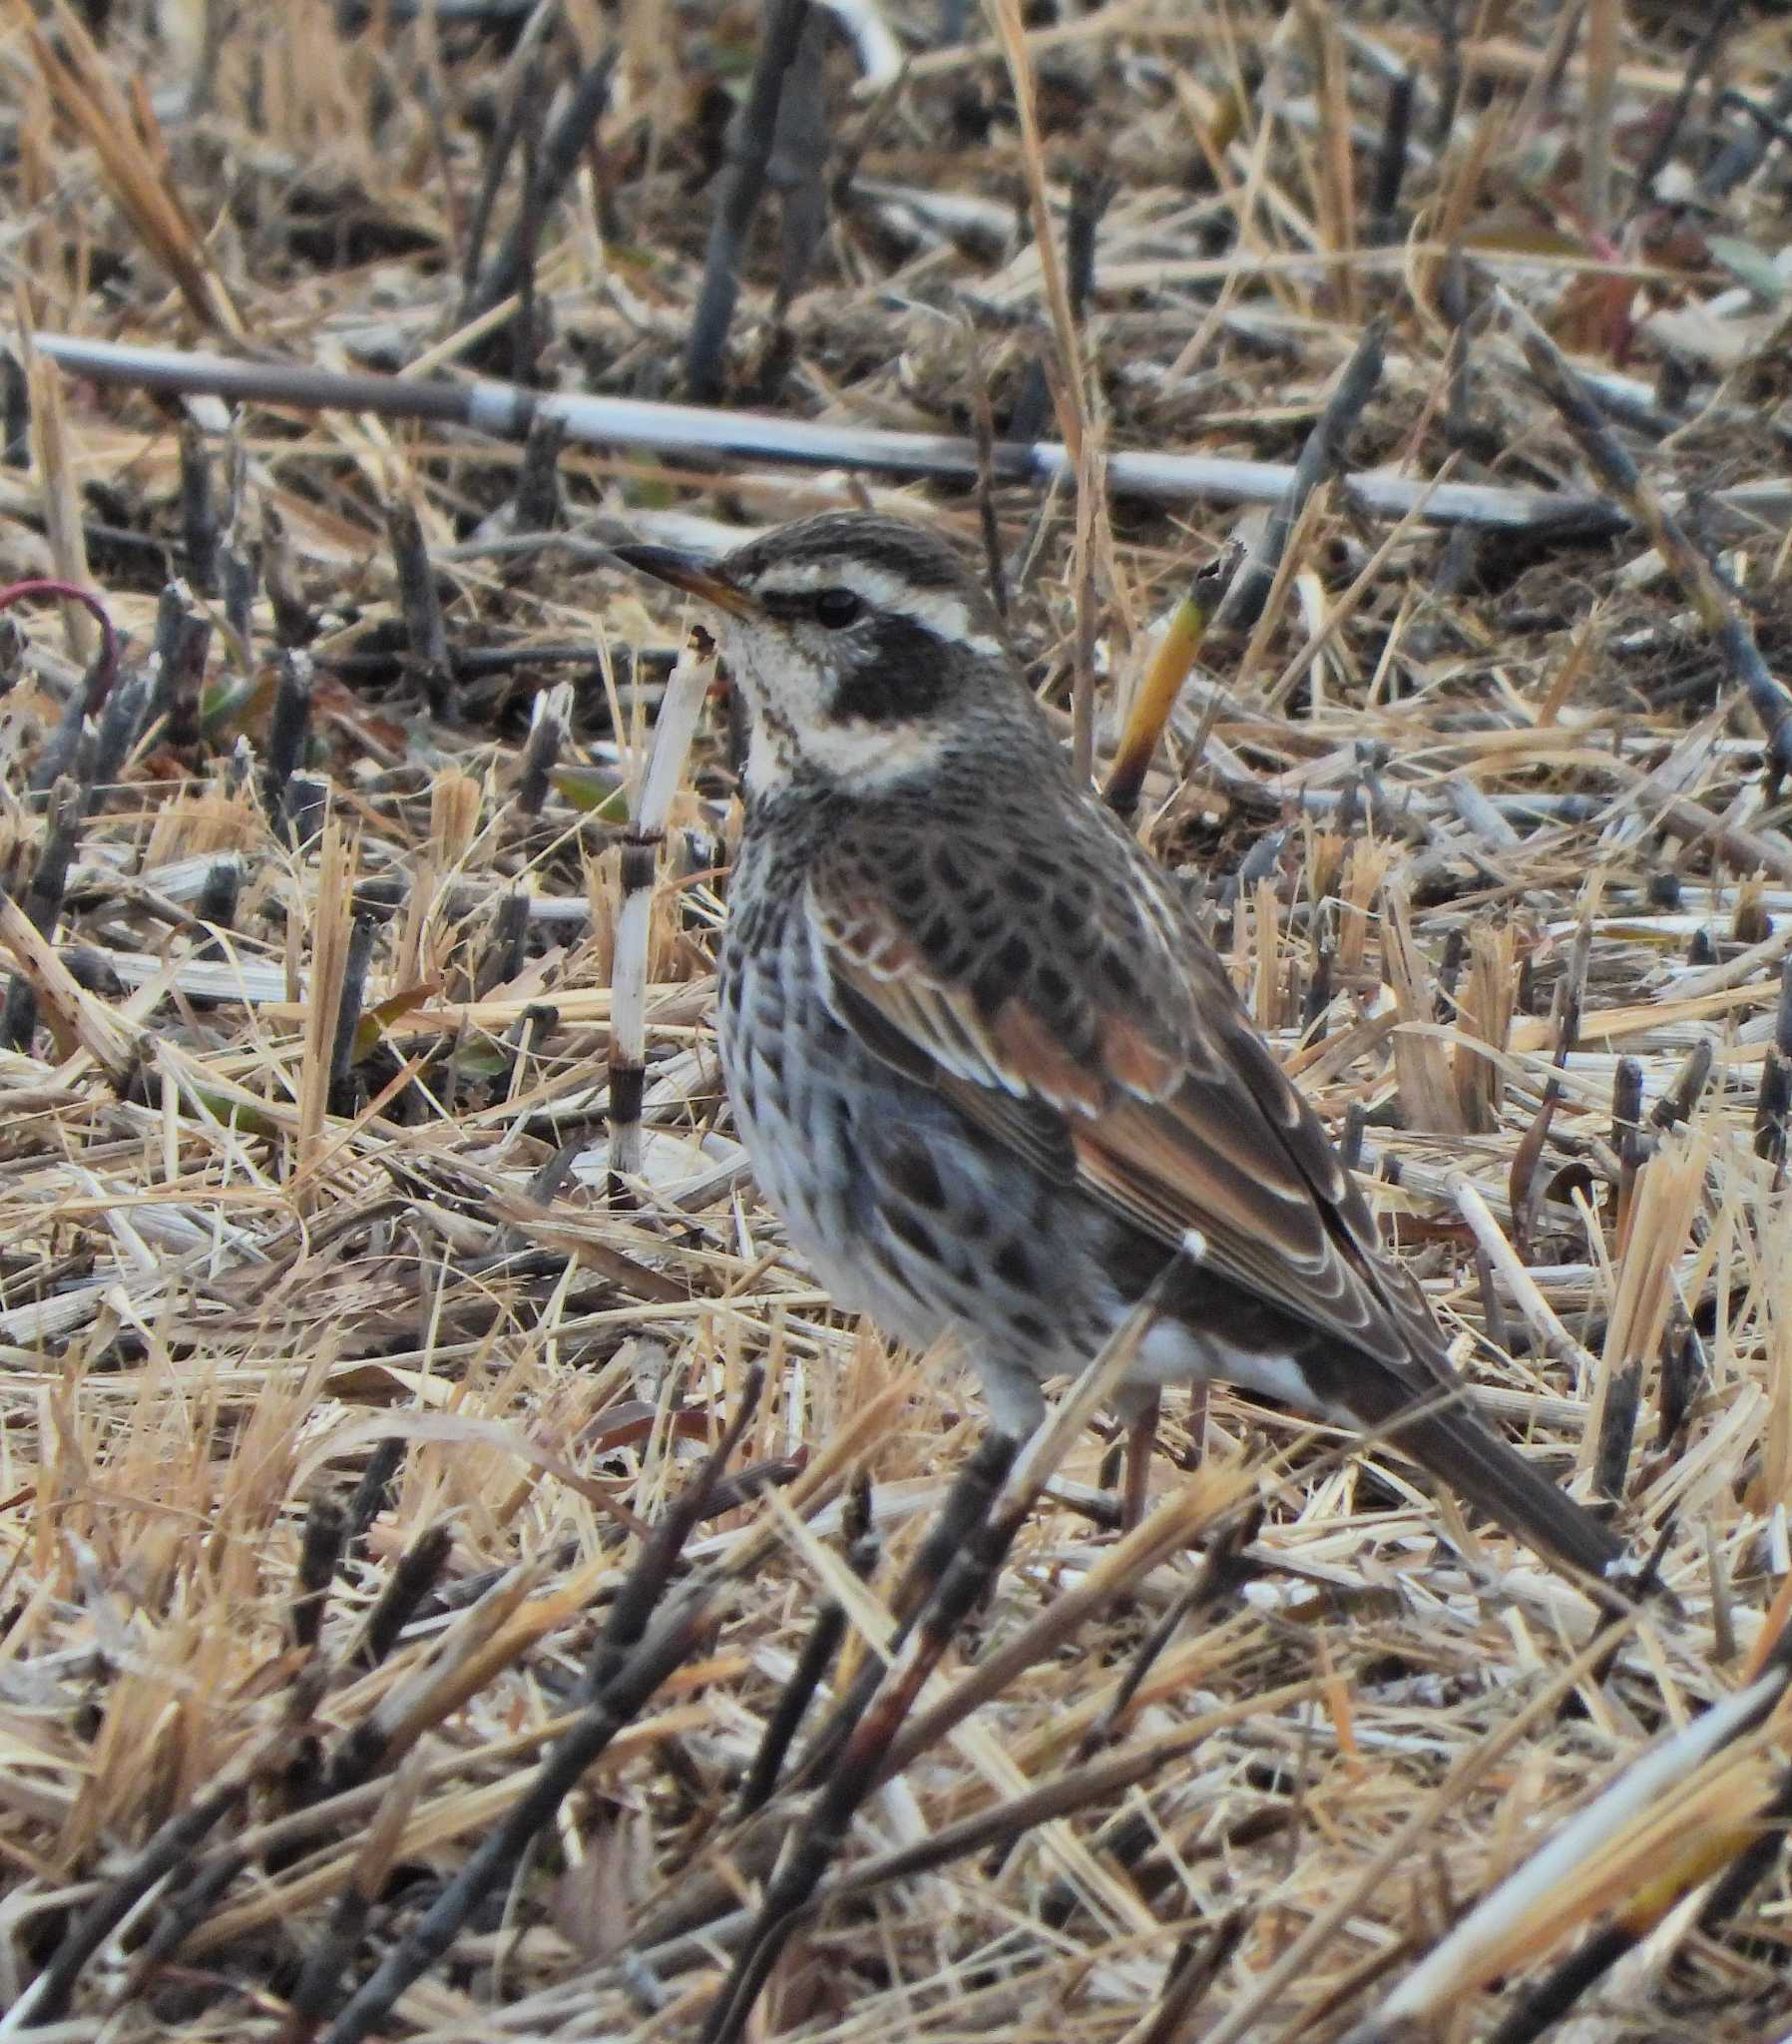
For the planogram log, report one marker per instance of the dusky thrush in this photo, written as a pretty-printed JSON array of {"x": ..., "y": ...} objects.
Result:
[{"x": 986, "y": 1066}]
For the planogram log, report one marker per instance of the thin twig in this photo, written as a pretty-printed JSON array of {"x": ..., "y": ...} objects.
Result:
[{"x": 506, "y": 412}]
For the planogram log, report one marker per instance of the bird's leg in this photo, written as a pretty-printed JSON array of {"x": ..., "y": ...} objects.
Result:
[
  {"x": 1141, "y": 1437},
  {"x": 1198, "y": 1423}
]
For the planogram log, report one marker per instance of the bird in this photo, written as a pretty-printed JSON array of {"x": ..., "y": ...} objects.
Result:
[{"x": 988, "y": 1068}]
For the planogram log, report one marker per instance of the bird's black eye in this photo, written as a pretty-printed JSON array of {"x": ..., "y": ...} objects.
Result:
[{"x": 838, "y": 608}]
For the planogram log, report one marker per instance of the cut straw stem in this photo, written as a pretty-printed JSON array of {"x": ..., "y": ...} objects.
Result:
[
  {"x": 687, "y": 685},
  {"x": 1477, "y": 1947}
]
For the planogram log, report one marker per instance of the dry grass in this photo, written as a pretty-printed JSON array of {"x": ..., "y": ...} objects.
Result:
[{"x": 300, "y": 1315}]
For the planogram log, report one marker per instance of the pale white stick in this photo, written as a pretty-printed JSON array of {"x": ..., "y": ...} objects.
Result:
[
  {"x": 505, "y": 410},
  {"x": 1530, "y": 1302},
  {"x": 687, "y": 685},
  {"x": 1471, "y": 1952}
]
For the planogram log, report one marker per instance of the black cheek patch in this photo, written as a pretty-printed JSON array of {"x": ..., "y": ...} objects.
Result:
[{"x": 898, "y": 673}]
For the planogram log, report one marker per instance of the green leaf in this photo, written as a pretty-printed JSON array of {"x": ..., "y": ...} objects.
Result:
[{"x": 592, "y": 792}]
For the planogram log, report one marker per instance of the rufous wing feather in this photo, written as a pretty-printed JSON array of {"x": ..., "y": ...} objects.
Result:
[
  {"x": 1174, "y": 1137},
  {"x": 1167, "y": 1108}
]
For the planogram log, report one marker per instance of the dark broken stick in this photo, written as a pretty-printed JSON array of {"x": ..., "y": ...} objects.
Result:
[
  {"x": 743, "y": 182},
  {"x": 1240, "y": 608},
  {"x": 628, "y": 1662},
  {"x": 42, "y": 904},
  {"x": 1698, "y": 579},
  {"x": 561, "y": 149}
]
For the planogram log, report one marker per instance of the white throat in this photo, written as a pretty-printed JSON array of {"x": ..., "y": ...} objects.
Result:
[{"x": 865, "y": 758}]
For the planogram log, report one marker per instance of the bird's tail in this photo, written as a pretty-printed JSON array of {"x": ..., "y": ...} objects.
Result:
[{"x": 1446, "y": 1435}]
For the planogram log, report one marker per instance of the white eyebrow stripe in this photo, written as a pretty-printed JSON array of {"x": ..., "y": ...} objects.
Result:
[{"x": 946, "y": 616}]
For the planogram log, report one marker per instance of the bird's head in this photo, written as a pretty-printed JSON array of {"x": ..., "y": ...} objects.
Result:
[{"x": 860, "y": 643}]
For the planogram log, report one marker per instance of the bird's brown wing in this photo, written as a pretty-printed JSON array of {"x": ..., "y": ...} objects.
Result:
[
  {"x": 1108, "y": 1048},
  {"x": 1124, "y": 1061}
]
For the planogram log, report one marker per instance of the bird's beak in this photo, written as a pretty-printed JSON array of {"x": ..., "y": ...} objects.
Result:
[{"x": 702, "y": 578}]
